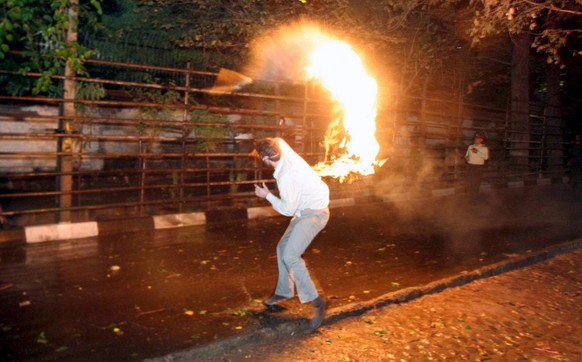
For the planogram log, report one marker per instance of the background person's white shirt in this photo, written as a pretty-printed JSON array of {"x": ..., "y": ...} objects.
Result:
[
  {"x": 300, "y": 187},
  {"x": 479, "y": 157}
]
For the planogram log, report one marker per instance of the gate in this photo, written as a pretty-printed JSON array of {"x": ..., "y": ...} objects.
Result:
[{"x": 150, "y": 140}]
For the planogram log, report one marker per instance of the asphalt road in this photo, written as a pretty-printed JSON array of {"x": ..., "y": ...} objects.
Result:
[{"x": 140, "y": 295}]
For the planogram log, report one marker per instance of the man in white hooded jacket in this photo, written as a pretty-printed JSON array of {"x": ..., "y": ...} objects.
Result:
[{"x": 304, "y": 197}]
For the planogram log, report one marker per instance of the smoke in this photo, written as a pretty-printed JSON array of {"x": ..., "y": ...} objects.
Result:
[{"x": 282, "y": 54}]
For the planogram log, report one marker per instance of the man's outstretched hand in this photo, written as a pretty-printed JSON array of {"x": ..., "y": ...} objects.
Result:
[{"x": 262, "y": 191}]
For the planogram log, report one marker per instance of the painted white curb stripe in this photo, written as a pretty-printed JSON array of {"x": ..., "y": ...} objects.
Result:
[
  {"x": 179, "y": 220},
  {"x": 261, "y": 212},
  {"x": 62, "y": 231},
  {"x": 515, "y": 184}
]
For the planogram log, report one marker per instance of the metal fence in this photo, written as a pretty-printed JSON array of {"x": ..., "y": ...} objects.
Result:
[{"x": 173, "y": 143}]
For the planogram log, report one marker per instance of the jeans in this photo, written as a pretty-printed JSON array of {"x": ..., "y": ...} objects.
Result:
[{"x": 293, "y": 272}]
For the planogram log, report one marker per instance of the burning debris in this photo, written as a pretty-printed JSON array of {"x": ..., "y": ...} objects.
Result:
[{"x": 230, "y": 81}]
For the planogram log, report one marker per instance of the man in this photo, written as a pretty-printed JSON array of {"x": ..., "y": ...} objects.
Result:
[
  {"x": 304, "y": 197},
  {"x": 476, "y": 155}
]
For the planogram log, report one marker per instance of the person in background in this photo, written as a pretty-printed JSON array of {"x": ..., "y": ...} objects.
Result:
[
  {"x": 304, "y": 197},
  {"x": 476, "y": 156}
]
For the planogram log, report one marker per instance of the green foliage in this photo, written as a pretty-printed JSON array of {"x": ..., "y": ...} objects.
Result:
[
  {"x": 223, "y": 29},
  {"x": 156, "y": 96},
  {"x": 209, "y": 136},
  {"x": 90, "y": 91},
  {"x": 236, "y": 177},
  {"x": 554, "y": 24},
  {"x": 38, "y": 30},
  {"x": 159, "y": 97}
]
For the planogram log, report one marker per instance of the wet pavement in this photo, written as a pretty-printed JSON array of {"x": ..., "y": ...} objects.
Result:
[
  {"x": 531, "y": 313},
  {"x": 142, "y": 295}
]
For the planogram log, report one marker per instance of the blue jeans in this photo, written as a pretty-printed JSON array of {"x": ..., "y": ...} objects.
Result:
[{"x": 293, "y": 272}]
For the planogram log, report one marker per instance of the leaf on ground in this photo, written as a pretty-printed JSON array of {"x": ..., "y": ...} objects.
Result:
[
  {"x": 62, "y": 349},
  {"x": 395, "y": 284},
  {"x": 42, "y": 338},
  {"x": 379, "y": 332},
  {"x": 241, "y": 312},
  {"x": 188, "y": 312}
]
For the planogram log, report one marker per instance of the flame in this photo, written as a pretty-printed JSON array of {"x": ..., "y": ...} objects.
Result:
[
  {"x": 304, "y": 51},
  {"x": 350, "y": 143}
]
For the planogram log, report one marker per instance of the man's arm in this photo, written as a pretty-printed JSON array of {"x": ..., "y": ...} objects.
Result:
[{"x": 484, "y": 152}]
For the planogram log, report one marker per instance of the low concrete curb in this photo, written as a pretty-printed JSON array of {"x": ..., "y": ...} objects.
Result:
[
  {"x": 64, "y": 231},
  {"x": 300, "y": 327}
]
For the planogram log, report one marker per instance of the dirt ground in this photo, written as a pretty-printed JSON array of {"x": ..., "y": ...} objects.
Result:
[{"x": 530, "y": 314}]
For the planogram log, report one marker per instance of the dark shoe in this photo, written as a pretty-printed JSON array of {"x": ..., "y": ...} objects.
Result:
[
  {"x": 319, "y": 312},
  {"x": 273, "y": 300}
]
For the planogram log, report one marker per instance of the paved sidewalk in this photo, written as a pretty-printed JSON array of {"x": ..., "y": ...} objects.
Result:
[{"x": 528, "y": 314}]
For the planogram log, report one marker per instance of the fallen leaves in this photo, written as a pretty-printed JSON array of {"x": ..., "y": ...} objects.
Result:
[
  {"x": 379, "y": 332},
  {"x": 242, "y": 312},
  {"x": 42, "y": 338},
  {"x": 6, "y": 286}
]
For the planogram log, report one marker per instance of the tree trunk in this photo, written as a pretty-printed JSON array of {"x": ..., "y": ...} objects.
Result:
[
  {"x": 66, "y": 163},
  {"x": 519, "y": 127},
  {"x": 554, "y": 141}
]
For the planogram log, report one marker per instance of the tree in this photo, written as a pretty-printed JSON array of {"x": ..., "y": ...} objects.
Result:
[
  {"x": 38, "y": 30},
  {"x": 554, "y": 29},
  {"x": 553, "y": 24}
]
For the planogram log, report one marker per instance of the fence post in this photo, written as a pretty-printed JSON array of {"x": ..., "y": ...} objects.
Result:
[
  {"x": 185, "y": 133},
  {"x": 65, "y": 144},
  {"x": 543, "y": 147}
]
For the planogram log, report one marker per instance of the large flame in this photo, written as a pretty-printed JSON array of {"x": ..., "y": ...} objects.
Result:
[
  {"x": 303, "y": 51},
  {"x": 350, "y": 143}
]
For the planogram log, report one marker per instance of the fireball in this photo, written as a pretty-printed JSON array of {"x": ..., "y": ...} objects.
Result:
[
  {"x": 350, "y": 143},
  {"x": 304, "y": 52}
]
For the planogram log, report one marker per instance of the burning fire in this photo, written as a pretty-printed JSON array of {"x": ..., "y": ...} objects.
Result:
[
  {"x": 304, "y": 51},
  {"x": 350, "y": 143}
]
